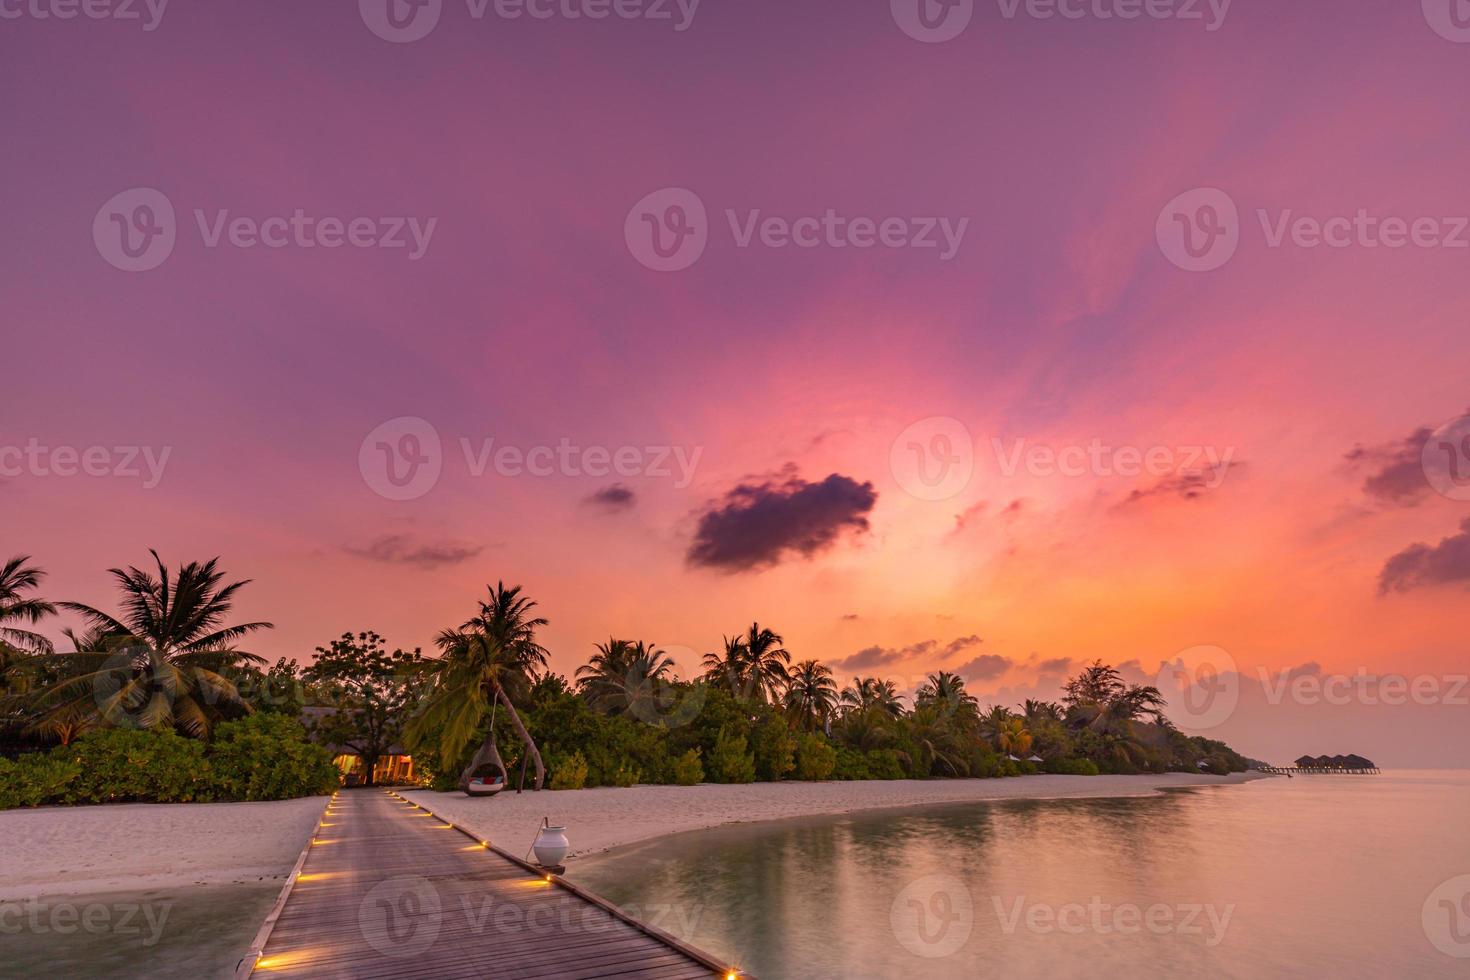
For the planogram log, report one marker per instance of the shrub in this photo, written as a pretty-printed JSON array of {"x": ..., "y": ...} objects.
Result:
[
  {"x": 851, "y": 764},
  {"x": 570, "y": 773},
  {"x": 1071, "y": 767},
  {"x": 625, "y": 775},
  {"x": 34, "y": 780},
  {"x": 128, "y": 765},
  {"x": 774, "y": 750},
  {"x": 815, "y": 758},
  {"x": 730, "y": 762},
  {"x": 884, "y": 764},
  {"x": 688, "y": 770},
  {"x": 267, "y": 757}
]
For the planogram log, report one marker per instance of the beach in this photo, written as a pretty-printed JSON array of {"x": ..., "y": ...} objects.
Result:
[
  {"x": 90, "y": 850},
  {"x": 598, "y": 820}
]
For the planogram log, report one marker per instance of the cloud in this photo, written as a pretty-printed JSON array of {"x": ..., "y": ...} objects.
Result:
[
  {"x": 1056, "y": 665},
  {"x": 616, "y": 497},
  {"x": 755, "y": 525},
  {"x": 1397, "y": 470},
  {"x": 849, "y": 617},
  {"x": 1186, "y": 484},
  {"x": 986, "y": 667},
  {"x": 401, "y": 549},
  {"x": 960, "y": 644},
  {"x": 1420, "y": 564}
]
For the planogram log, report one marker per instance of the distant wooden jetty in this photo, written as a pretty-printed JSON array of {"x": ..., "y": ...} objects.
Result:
[
  {"x": 1324, "y": 765},
  {"x": 388, "y": 889}
]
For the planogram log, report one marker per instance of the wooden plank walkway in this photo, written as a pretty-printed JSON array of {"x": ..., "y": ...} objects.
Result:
[{"x": 388, "y": 889}]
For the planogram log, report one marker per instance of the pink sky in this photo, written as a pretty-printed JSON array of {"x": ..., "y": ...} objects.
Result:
[{"x": 528, "y": 320}]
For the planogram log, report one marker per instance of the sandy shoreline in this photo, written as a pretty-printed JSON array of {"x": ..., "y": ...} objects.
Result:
[
  {"x": 599, "y": 820},
  {"x": 89, "y": 850}
]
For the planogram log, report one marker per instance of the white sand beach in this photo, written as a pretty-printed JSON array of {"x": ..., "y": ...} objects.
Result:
[
  {"x": 88, "y": 850},
  {"x": 600, "y": 819}
]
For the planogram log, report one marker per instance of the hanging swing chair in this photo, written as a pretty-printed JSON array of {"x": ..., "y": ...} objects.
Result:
[{"x": 489, "y": 777}]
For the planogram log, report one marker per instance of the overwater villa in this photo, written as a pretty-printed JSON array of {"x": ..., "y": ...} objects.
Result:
[{"x": 1336, "y": 764}]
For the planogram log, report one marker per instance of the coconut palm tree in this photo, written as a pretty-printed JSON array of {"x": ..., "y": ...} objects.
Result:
[
  {"x": 159, "y": 663},
  {"x": 1013, "y": 738},
  {"x": 870, "y": 692},
  {"x": 811, "y": 694},
  {"x": 993, "y": 722},
  {"x": 484, "y": 661},
  {"x": 16, "y": 579},
  {"x": 623, "y": 676},
  {"x": 947, "y": 690},
  {"x": 752, "y": 666}
]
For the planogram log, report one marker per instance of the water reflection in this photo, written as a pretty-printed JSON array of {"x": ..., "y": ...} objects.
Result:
[{"x": 1298, "y": 878}]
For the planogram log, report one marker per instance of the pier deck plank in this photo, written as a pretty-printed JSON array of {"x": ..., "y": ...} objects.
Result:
[{"x": 388, "y": 890}]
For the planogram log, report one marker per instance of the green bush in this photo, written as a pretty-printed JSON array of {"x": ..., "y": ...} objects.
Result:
[
  {"x": 815, "y": 758},
  {"x": 774, "y": 749},
  {"x": 1071, "y": 767},
  {"x": 885, "y": 764},
  {"x": 129, "y": 765},
  {"x": 730, "y": 762},
  {"x": 33, "y": 780},
  {"x": 688, "y": 770},
  {"x": 851, "y": 764},
  {"x": 570, "y": 773},
  {"x": 625, "y": 775},
  {"x": 267, "y": 757}
]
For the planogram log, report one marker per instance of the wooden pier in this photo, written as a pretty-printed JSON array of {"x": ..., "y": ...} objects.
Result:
[
  {"x": 388, "y": 889},
  {"x": 1317, "y": 771}
]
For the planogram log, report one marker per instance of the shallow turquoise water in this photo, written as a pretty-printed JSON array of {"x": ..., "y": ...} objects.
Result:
[{"x": 1328, "y": 876}]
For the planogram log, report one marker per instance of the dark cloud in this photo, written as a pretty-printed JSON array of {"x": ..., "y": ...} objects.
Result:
[
  {"x": 1186, "y": 485},
  {"x": 875, "y": 656},
  {"x": 1396, "y": 474},
  {"x": 1056, "y": 665},
  {"x": 401, "y": 549},
  {"x": 849, "y": 617},
  {"x": 755, "y": 525},
  {"x": 613, "y": 498},
  {"x": 986, "y": 667},
  {"x": 960, "y": 645},
  {"x": 1421, "y": 564}
]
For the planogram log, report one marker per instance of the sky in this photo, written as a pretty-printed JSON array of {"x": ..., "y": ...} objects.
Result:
[{"x": 984, "y": 341}]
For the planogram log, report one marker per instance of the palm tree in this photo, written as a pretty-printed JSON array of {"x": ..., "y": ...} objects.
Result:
[
  {"x": 623, "y": 676},
  {"x": 752, "y": 666},
  {"x": 948, "y": 691},
  {"x": 811, "y": 694},
  {"x": 869, "y": 692},
  {"x": 1012, "y": 738},
  {"x": 159, "y": 663},
  {"x": 491, "y": 655},
  {"x": 16, "y": 579},
  {"x": 994, "y": 721},
  {"x": 932, "y": 729},
  {"x": 1041, "y": 710}
]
